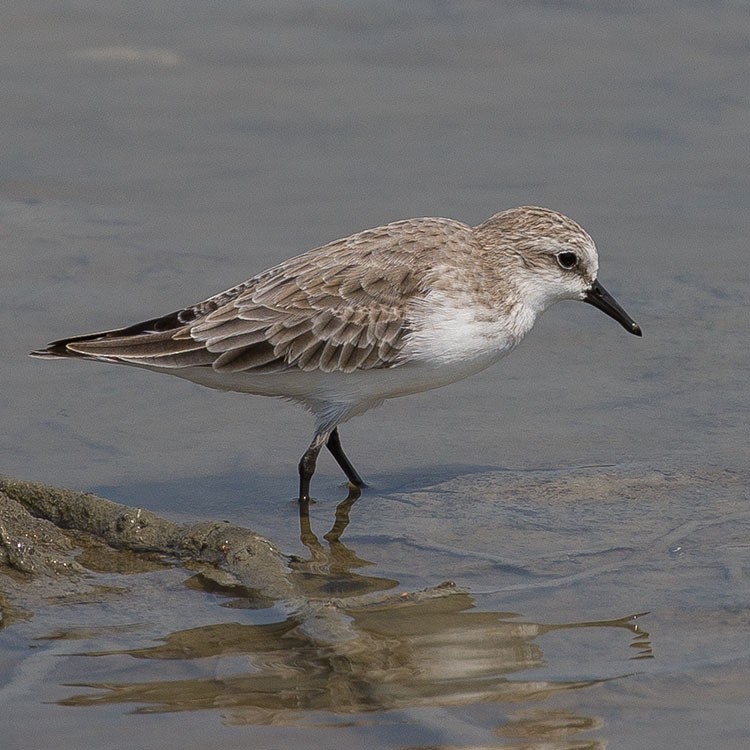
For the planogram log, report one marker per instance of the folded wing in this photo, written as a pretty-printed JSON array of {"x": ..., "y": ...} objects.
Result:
[{"x": 342, "y": 307}]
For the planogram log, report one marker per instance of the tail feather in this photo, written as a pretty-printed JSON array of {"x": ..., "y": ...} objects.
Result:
[{"x": 142, "y": 343}]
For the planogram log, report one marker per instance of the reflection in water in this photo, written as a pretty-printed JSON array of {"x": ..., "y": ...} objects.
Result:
[
  {"x": 402, "y": 651},
  {"x": 329, "y": 571},
  {"x": 550, "y": 729},
  {"x": 434, "y": 653}
]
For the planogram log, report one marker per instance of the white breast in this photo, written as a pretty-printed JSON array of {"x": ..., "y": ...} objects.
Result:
[{"x": 452, "y": 330}]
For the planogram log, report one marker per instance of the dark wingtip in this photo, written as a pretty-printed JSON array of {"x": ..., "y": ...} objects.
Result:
[
  {"x": 53, "y": 350},
  {"x": 60, "y": 348}
]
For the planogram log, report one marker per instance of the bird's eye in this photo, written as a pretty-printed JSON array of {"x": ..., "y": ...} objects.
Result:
[{"x": 567, "y": 259}]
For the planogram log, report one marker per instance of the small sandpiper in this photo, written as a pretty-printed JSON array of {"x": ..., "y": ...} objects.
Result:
[{"x": 398, "y": 309}]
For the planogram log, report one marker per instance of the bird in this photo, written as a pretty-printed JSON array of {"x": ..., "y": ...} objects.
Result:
[{"x": 394, "y": 310}]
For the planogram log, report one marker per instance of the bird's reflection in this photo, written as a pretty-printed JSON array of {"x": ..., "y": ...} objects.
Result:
[
  {"x": 338, "y": 556},
  {"x": 408, "y": 654},
  {"x": 330, "y": 568},
  {"x": 401, "y": 651}
]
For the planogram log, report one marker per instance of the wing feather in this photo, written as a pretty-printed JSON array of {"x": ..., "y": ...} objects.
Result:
[
  {"x": 342, "y": 307},
  {"x": 321, "y": 311}
]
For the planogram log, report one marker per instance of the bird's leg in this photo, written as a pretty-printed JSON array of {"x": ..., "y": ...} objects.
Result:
[
  {"x": 307, "y": 466},
  {"x": 334, "y": 446}
]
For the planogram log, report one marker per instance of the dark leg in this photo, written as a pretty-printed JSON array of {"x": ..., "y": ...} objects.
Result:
[
  {"x": 307, "y": 469},
  {"x": 334, "y": 446}
]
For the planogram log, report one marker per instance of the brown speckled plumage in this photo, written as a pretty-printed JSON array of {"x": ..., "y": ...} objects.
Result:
[{"x": 430, "y": 300}]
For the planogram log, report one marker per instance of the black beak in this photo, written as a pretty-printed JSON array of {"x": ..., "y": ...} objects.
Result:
[{"x": 599, "y": 297}]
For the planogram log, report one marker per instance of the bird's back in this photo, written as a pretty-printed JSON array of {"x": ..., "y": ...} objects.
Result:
[{"x": 342, "y": 307}]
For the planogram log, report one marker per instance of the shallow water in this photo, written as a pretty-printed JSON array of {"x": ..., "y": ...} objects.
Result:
[{"x": 155, "y": 155}]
